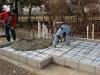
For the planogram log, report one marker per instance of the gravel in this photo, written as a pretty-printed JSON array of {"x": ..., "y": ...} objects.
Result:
[{"x": 31, "y": 44}]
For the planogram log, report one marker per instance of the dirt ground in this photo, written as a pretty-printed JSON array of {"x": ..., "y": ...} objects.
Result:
[{"x": 7, "y": 68}]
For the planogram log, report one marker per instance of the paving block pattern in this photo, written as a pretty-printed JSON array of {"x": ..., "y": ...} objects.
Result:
[{"x": 82, "y": 54}]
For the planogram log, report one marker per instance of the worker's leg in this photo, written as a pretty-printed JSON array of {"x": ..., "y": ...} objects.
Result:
[
  {"x": 59, "y": 32},
  {"x": 67, "y": 34},
  {"x": 13, "y": 34},
  {"x": 7, "y": 34}
]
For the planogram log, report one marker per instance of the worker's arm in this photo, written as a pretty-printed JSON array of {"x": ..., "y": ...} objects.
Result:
[
  {"x": 2, "y": 21},
  {"x": 1, "y": 18}
]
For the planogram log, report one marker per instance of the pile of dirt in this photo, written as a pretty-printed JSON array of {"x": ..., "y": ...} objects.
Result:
[{"x": 31, "y": 44}]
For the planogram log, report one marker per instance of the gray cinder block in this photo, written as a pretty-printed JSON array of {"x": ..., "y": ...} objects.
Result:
[
  {"x": 44, "y": 62},
  {"x": 7, "y": 53},
  {"x": 32, "y": 62},
  {"x": 72, "y": 63},
  {"x": 22, "y": 58},
  {"x": 97, "y": 71},
  {"x": 2, "y": 51},
  {"x": 14, "y": 55},
  {"x": 59, "y": 60},
  {"x": 87, "y": 67}
]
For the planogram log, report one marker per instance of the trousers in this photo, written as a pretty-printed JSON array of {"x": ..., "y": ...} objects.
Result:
[
  {"x": 61, "y": 30},
  {"x": 7, "y": 33}
]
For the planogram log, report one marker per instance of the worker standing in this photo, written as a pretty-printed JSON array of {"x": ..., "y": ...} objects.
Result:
[{"x": 8, "y": 19}]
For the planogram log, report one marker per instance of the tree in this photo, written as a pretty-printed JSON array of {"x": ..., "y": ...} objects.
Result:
[
  {"x": 84, "y": 9},
  {"x": 1, "y": 3},
  {"x": 81, "y": 4},
  {"x": 55, "y": 9},
  {"x": 29, "y": 4}
]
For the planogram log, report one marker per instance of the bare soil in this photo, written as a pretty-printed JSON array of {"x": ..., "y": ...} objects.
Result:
[{"x": 7, "y": 68}]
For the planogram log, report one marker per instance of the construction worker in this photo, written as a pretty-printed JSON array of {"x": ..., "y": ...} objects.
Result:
[
  {"x": 8, "y": 19},
  {"x": 63, "y": 27},
  {"x": 61, "y": 37}
]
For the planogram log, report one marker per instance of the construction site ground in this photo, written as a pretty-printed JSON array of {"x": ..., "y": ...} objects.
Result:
[{"x": 52, "y": 69}]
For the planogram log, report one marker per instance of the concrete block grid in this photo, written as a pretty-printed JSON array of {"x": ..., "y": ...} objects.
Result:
[{"x": 82, "y": 55}]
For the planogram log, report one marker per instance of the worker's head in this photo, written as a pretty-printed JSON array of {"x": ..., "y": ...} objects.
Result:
[
  {"x": 13, "y": 12},
  {"x": 6, "y": 8}
]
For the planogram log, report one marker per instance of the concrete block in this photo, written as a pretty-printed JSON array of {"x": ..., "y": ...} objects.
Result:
[
  {"x": 78, "y": 41},
  {"x": 97, "y": 71},
  {"x": 42, "y": 55},
  {"x": 57, "y": 53},
  {"x": 85, "y": 42},
  {"x": 64, "y": 49},
  {"x": 98, "y": 58},
  {"x": 38, "y": 58},
  {"x": 91, "y": 56},
  {"x": 94, "y": 52},
  {"x": 81, "y": 54},
  {"x": 77, "y": 58},
  {"x": 29, "y": 55},
  {"x": 44, "y": 62},
  {"x": 32, "y": 62},
  {"x": 7, "y": 53},
  {"x": 58, "y": 46},
  {"x": 68, "y": 56},
  {"x": 2, "y": 51},
  {"x": 87, "y": 60},
  {"x": 42, "y": 50},
  {"x": 67, "y": 47},
  {"x": 87, "y": 67},
  {"x": 49, "y": 51},
  {"x": 35, "y": 53},
  {"x": 76, "y": 49},
  {"x": 71, "y": 63},
  {"x": 96, "y": 62},
  {"x": 58, "y": 60},
  {"x": 22, "y": 58},
  {"x": 80, "y": 46},
  {"x": 14, "y": 55},
  {"x": 73, "y": 52}
]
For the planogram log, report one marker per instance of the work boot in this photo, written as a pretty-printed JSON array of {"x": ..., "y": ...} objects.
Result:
[
  {"x": 67, "y": 44},
  {"x": 53, "y": 46}
]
